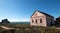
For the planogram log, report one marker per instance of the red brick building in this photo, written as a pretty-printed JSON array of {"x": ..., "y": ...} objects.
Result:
[{"x": 39, "y": 18}]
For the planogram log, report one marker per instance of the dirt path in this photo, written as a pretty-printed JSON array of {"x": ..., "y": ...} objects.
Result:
[
  {"x": 7, "y": 28},
  {"x": 58, "y": 28}
]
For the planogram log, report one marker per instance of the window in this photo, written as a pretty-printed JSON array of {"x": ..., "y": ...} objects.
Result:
[
  {"x": 40, "y": 20},
  {"x": 51, "y": 22},
  {"x": 32, "y": 20},
  {"x": 36, "y": 20}
]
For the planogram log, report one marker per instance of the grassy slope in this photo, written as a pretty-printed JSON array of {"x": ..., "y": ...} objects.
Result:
[{"x": 25, "y": 28}]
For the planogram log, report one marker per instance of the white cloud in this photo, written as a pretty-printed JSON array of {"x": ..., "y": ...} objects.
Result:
[{"x": 16, "y": 20}]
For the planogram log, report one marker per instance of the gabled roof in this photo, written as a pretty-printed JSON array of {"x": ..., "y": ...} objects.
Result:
[{"x": 42, "y": 13}]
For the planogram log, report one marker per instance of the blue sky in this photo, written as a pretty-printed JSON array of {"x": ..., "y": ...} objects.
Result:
[{"x": 21, "y": 10}]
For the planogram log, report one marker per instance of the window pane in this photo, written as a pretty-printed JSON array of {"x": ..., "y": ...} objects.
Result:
[
  {"x": 36, "y": 20},
  {"x": 40, "y": 20}
]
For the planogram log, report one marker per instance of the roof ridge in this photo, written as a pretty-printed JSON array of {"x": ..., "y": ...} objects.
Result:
[{"x": 43, "y": 13}]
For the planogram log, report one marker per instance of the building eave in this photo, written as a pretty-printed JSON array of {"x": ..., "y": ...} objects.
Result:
[{"x": 42, "y": 13}]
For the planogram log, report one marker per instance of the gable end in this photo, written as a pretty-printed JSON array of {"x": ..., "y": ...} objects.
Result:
[{"x": 42, "y": 13}]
